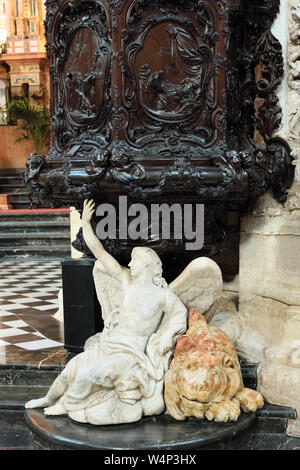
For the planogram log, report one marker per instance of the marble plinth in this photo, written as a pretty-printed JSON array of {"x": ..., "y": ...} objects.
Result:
[
  {"x": 82, "y": 312},
  {"x": 151, "y": 433}
]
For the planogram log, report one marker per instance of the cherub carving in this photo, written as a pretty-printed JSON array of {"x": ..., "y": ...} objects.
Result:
[
  {"x": 204, "y": 379},
  {"x": 120, "y": 375}
]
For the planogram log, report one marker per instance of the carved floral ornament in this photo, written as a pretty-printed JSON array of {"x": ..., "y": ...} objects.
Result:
[{"x": 185, "y": 89}]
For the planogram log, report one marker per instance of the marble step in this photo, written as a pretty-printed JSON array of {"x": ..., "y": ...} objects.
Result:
[
  {"x": 11, "y": 171},
  {"x": 18, "y": 198},
  {"x": 12, "y": 183},
  {"x": 7, "y": 178},
  {"x": 34, "y": 216},
  {"x": 7, "y": 175},
  {"x": 35, "y": 234},
  {"x": 12, "y": 187},
  {"x": 265, "y": 434},
  {"x": 28, "y": 377},
  {"x": 15, "y": 397},
  {"x": 16, "y": 181},
  {"x": 20, "y": 204},
  {"x": 14, "y": 433},
  {"x": 31, "y": 226},
  {"x": 16, "y": 239},
  {"x": 35, "y": 251}
]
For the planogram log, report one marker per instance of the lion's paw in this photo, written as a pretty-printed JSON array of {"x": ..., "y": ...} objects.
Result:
[
  {"x": 223, "y": 411},
  {"x": 250, "y": 400}
]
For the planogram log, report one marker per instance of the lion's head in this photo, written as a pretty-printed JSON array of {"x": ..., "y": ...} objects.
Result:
[{"x": 205, "y": 369}]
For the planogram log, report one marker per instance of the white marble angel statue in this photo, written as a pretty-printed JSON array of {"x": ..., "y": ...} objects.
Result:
[{"x": 119, "y": 377}]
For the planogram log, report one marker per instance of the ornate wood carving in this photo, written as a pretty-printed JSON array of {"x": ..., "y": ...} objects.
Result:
[{"x": 164, "y": 99}]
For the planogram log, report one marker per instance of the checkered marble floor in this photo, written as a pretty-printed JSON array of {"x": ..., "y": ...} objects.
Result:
[{"x": 28, "y": 301}]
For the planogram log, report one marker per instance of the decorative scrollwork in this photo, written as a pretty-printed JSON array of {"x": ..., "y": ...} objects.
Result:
[
  {"x": 79, "y": 70},
  {"x": 270, "y": 54}
]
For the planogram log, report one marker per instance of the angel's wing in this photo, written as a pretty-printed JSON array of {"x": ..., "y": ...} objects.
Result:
[
  {"x": 199, "y": 286},
  {"x": 109, "y": 290}
]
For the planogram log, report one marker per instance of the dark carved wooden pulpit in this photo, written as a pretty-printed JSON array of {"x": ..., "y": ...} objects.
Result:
[{"x": 164, "y": 101}]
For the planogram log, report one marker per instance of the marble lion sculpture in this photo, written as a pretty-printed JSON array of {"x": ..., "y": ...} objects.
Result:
[
  {"x": 119, "y": 377},
  {"x": 204, "y": 379}
]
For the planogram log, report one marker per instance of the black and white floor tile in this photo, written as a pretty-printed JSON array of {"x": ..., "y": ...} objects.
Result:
[{"x": 28, "y": 299}]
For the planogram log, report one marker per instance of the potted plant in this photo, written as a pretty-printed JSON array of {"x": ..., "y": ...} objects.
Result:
[{"x": 35, "y": 122}]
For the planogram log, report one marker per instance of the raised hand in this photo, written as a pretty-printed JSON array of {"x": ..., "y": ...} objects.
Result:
[{"x": 88, "y": 210}]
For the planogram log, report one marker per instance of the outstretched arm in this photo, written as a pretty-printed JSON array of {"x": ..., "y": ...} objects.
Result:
[{"x": 93, "y": 242}]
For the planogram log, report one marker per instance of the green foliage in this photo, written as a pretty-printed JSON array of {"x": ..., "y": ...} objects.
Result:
[
  {"x": 37, "y": 122},
  {"x": 3, "y": 48}
]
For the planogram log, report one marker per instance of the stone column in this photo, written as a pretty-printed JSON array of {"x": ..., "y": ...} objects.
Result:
[{"x": 269, "y": 303}]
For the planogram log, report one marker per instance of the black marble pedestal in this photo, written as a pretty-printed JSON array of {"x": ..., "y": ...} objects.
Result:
[
  {"x": 151, "y": 433},
  {"x": 82, "y": 312}
]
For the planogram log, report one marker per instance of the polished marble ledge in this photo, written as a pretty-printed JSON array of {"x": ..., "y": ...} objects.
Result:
[
  {"x": 150, "y": 433},
  {"x": 14, "y": 358}
]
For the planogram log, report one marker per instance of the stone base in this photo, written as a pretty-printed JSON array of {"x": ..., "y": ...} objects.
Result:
[
  {"x": 151, "y": 433},
  {"x": 269, "y": 301},
  {"x": 278, "y": 383}
]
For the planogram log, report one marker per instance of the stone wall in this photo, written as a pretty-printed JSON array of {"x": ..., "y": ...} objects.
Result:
[{"x": 12, "y": 154}]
